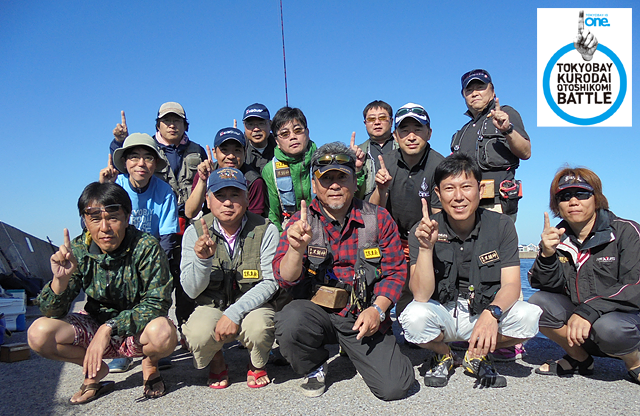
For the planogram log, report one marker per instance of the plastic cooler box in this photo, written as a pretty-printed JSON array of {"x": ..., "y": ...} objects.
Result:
[{"x": 14, "y": 310}]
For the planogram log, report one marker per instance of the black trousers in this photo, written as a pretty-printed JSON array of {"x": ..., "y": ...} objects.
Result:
[
  {"x": 304, "y": 328},
  {"x": 614, "y": 333}
]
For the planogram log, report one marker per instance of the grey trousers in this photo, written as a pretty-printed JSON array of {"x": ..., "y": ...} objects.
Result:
[
  {"x": 304, "y": 328},
  {"x": 614, "y": 333}
]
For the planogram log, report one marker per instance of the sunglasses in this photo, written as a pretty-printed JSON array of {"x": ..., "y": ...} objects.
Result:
[
  {"x": 372, "y": 119},
  {"x": 415, "y": 110},
  {"x": 567, "y": 195},
  {"x": 340, "y": 159},
  {"x": 96, "y": 211},
  {"x": 286, "y": 133}
]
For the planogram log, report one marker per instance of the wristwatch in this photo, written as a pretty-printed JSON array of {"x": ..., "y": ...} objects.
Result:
[
  {"x": 383, "y": 314},
  {"x": 111, "y": 323},
  {"x": 508, "y": 131},
  {"x": 496, "y": 311}
]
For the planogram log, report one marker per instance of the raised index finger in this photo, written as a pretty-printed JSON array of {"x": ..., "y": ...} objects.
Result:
[
  {"x": 580, "y": 21},
  {"x": 425, "y": 209},
  {"x": 303, "y": 210},
  {"x": 353, "y": 139},
  {"x": 547, "y": 223},
  {"x": 67, "y": 240},
  {"x": 209, "y": 154},
  {"x": 205, "y": 229},
  {"x": 497, "y": 104},
  {"x": 110, "y": 162},
  {"x": 382, "y": 166},
  {"x": 124, "y": 120}
]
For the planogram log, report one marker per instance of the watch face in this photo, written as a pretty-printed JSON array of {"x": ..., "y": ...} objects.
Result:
[{"x": 496, "y": 311}]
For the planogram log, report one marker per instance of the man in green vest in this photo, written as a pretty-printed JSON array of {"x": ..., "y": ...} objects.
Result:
[{"x": 227, "y": 269}]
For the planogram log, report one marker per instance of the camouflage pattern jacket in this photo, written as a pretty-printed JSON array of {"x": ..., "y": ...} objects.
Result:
[{"x": 131, "y": 285}]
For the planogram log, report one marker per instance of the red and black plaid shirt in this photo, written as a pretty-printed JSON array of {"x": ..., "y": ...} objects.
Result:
[{"x": 344, "y": 245}]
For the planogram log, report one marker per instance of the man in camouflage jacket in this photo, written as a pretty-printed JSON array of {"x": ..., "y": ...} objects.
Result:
[{"x": 125, "y": 274}]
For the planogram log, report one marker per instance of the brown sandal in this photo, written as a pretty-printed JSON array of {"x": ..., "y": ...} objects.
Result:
[
  {"x": 100, "y": 389},
  {"x": 149, "y": 388}
]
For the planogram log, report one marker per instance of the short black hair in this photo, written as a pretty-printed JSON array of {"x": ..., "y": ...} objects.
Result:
[
  {"x": 104, "y": 194},
  {"x": 454, "y": 165},
  {"x": 377, "y": 104},
  {"x": 285, "y": 115}
]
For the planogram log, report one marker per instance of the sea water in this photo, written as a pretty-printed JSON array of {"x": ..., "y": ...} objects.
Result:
[{"x": 525, "y": 265}]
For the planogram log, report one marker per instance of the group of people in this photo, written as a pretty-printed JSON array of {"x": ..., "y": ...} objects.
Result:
[{"x": 268, "y": 239}]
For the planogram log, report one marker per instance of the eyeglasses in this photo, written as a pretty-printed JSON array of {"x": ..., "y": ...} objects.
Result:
[
  {"x": 252, "y": 123},
  {"x": 135, "y": 158},
  {"x": 340, "y": 159},
  {"x": 171, "y": 121},
  {"x": 567, "y": 195},
  {"x": 284, "y": 134},
  {"x": 382, "y": 119}
]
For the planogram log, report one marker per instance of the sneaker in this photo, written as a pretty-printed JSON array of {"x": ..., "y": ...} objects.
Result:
[
  {"x": 120, "y": 365},
  {"x": 516, "y": 352},
  {"x": 484, "y": 370},
  {"x": 441, "y": 369},
  {"x": 314, "y": 383}
]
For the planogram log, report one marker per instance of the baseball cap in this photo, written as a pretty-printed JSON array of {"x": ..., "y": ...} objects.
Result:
[
  {"x": 225, "y": 177},
  {"x": 479, "y": 74},
  {"x": 572, "y": 181},
  {"x": 415, "y": 111},
  {"x": 134, "y": 140},
  {"x": 341, "y": 162},
  {"x": 171, "y": 107},
  {"x": 229, "y": 133},
  {"x": 256, "y": 110}
]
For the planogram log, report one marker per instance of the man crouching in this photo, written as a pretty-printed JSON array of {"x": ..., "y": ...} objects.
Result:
[
  {"x": 465, "y": 279},
  {"x": 125, "y": 274},
  {"x": 226, "y": 267}
]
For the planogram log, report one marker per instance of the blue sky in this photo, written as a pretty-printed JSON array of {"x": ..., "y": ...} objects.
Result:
[{"x": 69, "y": 67}]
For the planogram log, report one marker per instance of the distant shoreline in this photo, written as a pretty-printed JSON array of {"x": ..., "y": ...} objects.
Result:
[{"x": 527, "y": 254}]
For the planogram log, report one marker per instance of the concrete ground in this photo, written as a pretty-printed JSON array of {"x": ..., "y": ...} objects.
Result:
[{"x": 43, "y": 387}]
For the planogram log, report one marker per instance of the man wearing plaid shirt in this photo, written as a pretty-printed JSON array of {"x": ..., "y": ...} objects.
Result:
[{"x": 320, "y": 246}]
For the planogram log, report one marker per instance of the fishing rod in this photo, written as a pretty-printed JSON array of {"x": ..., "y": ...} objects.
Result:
[{"x": 284, "y": 58}]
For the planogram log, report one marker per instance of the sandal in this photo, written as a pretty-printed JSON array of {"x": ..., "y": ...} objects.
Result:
[
  {"x": 584, "y": 368},
  {"x": 149, "y": 390},
  {"x": 218, "y": 377},
  {"x": 100, "y": 389},
  {"x": 634, "y": 374},
  {"x": 260, "y": 372}
]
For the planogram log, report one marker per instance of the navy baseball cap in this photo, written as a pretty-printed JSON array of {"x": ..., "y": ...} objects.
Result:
[
  {"x": 571, "y": 181},
  {"x": 229, "y": 133},
  {"x": 415, "y": 111},
  {"x": 256, "y": 110},
  {"x": 225, "y": 177},
  {"x": 479, "y": 74}
]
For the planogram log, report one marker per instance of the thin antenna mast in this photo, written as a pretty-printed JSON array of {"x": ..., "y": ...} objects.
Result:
[{"x": 284, "y": 58}]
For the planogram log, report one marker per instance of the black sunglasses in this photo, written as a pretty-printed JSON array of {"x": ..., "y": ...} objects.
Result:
[{"x": 567, "y": 195}]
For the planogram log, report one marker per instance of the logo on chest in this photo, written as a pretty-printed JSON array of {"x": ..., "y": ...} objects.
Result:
[
  {"x": 489, "y": 257},
  {"x": 317, "y": 252},
  {"x": 424, "y": 189},
  {"x": 606, "y": 259}
]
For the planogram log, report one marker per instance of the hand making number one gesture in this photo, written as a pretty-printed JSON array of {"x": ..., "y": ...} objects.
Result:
[
  {"x": 299, "y": 233},
  {"x": 383, "y": 179},
  {"x": 585, "y": 42},
  {"x": 205, "y": 247},
  {"x": 427, "y": 231},
  {"x": 206, "y": 167},
  {"x": 500, "y": 118},
  {"x": 550, "y": 237},
  {"x": 121, "y": 132},
  {"x": 360, "y": 155},
  {"x": 63, "y": 262},
  {"x": 110, "y": 173}
]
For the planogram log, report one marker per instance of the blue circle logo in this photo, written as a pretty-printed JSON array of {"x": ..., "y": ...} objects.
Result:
[{"x": 577, "y": 120}]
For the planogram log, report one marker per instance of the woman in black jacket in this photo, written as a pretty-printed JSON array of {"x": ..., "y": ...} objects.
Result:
[{"x": 588, "y": 273}]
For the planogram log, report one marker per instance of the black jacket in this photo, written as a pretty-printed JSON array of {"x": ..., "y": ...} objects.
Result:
[{"x": 602, "y": 275}]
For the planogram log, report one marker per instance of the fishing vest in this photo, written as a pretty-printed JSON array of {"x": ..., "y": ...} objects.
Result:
[
  {"x": 231, "y": 278},
  {"x": 370, "y": 166},
  {"x": 485, "y": 271},
  {"x": 284, "y": 184},
  {"x": 188, "y": 170},
  {"x": 492, "y": 151},
  {"x": 319, "y": 263}
]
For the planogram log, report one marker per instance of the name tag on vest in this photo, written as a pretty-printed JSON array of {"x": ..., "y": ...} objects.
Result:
[
  {"x": 250, "y": 274},
  {"x": 282, "y": 169},
  {"x": 489, "y": 257},
  {"x": 372, "y": 253},
  {"x": 318, "y": 252}
]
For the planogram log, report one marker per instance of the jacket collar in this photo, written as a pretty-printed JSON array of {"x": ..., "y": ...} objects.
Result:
[{"x": 482, "y": 113}]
